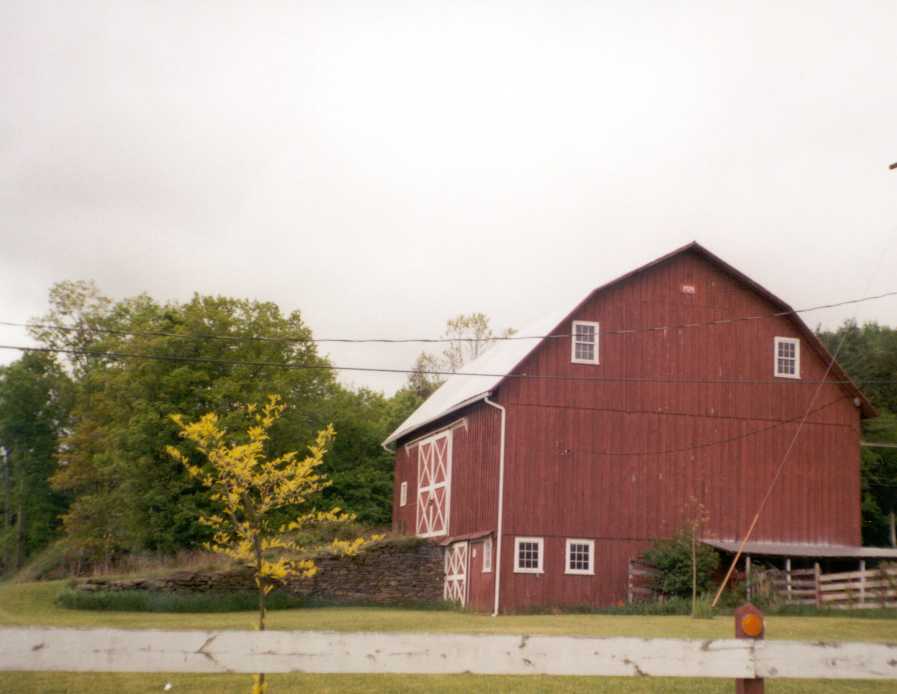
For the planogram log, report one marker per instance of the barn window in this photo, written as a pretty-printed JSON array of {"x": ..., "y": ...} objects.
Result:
[
  {"x": 584, "y": 342},
  {"x": 528, "y": 555},
  {"x": 787, "y": 357},
  {"x": 580, "y": 557},
  {"x": 403, "y": 494},
  {"x": 487, "y": 555}
]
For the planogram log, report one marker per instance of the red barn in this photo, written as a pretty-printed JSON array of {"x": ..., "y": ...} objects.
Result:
[{"x": 557, "y": 460}]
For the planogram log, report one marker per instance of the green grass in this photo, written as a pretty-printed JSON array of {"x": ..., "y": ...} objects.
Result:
[
  {"x": 68, "y": 683},
  {"x": 34, "y": 604}
]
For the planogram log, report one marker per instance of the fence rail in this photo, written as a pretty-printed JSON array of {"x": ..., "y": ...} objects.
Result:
[
  {"x": 863, "y": 589},
  {"x": 116, "y": 650}
]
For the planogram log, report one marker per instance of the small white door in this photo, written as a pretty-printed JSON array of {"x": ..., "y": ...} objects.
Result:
[{"x": 455, "y": 587}]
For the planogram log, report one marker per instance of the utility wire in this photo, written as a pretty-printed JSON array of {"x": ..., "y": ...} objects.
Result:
[
  {"x": 781, "y": 467},
  {"x": 371, "y": 369},
  {"x": 709, "y": 444},
  {"x": 427, "y": 340}
]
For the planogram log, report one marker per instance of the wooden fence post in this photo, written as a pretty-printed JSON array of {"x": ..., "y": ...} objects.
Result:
[
  {"x": 818, "y": 584},
  {"x": 862, "y": 582},
  {"x": 788, "y": 577},
  {"x": 749, "y": 624}
]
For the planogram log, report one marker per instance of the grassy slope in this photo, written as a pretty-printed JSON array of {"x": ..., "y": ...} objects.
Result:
[{"x": 32, "y": 603}]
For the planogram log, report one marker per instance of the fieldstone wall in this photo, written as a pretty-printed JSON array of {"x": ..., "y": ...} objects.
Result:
[{"x": 390, "y": 572}]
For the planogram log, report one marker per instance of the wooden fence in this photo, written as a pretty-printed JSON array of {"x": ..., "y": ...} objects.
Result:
[
  {"x": 116, "y": 650},
  {"x": 641, "y": 576},
  {"x": 863, "y": 589}
]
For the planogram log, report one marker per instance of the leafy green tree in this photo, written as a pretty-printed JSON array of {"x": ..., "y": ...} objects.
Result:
[
  {"x": 686, "y": 567},
  {"x": 128, "y": 495},
  {"x": 468, "y": 336},
  {"x": 869, "y": 355},
  {"x": 35, "y": 397}
]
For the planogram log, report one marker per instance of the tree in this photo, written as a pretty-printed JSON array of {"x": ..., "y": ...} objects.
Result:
[
  {"x": 675, "y": 558},
  {"x": 262, "y": 500},
  {"x": 468, "y": 336},
  {"x": 127, "y": 494},
  {"x": 425, "y": 377},
  {"x": 869, "y": 355},
  {"x": 34, "y": 408}
]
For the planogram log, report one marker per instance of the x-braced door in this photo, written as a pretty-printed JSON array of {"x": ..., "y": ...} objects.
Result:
[
  {"x": 434, "y": 478},
  {"x": 455, "y": 586}
]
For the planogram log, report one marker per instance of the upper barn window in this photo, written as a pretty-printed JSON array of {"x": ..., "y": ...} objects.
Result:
[
  {"x": 584, "y": 342},
  {"x": 786, "y": 357}
]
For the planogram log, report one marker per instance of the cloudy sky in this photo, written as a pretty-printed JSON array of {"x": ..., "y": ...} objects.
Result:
[{"x": 385, "y": 166}]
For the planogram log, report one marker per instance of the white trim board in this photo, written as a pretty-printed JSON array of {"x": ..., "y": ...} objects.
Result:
[{"x": 30, "y": 649}]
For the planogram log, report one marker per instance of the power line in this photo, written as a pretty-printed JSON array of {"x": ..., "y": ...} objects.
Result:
[
  {"x": 670, "y": 451},
  {"x": 371, "y": 369},
  {"x": 720, "y": 442},
  {"x": 780, "y": 468},
  {"x": 427, "y": 340}
]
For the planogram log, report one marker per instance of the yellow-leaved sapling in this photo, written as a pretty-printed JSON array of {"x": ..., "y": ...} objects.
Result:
[{"x": 253, "y": 491}]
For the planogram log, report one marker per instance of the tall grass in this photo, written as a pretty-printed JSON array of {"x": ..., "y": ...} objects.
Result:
[
  {"x": 150, "y": 601},
  {"x": 157, "y": 601}
]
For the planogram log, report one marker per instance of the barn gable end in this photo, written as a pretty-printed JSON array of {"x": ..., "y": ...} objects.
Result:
[{"x": 613, "y": 454}]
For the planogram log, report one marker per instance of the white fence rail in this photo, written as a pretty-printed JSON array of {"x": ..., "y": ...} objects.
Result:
[{"x": 116, "y": 650}]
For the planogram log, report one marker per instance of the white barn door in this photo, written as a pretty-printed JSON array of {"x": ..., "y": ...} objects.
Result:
[
  {"x": 434, "y": 479},
  {"x": 455, "y": 586}
]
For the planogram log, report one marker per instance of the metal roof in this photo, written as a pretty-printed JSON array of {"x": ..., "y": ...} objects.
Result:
[
  {"x": 491, "y": 368},
  {"x": 461, "y": 390},
  {"x": 799, "y": 549}
]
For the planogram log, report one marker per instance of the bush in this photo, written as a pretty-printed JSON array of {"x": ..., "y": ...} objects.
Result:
[
  {"x": 672, "y": 557},
  {"x": 704, "y": 607},
  {"x": 150, "y": 601}
]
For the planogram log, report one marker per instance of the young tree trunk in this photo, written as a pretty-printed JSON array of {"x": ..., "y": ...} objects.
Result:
[
  {"x": 7, "y": 490},
  {"x": 20, "y": 536},
  {"x": 694, "y": 573},
  {"x": 259, "y": 685},
  {"x": 892, "y": 522}
]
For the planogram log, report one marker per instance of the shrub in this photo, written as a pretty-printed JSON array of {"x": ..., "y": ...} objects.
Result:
[
  {"x": 703, "y": 607},
  {"x": 150, "y": 601},
  {"x": 672, "y": 557}
]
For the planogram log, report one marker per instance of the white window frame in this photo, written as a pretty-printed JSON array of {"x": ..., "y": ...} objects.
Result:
[
  {"x": 487, "y": 555},
  {"x": 775, "y": 356},
  {"x": 540, "y": 542},
  {"x": 403, "y": 494},
  {"x": 573, "y": 342},
  {"x": 580, "y": 572}
]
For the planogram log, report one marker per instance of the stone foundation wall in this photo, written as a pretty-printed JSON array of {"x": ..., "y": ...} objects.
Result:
[{"x": 386, "y": 573}]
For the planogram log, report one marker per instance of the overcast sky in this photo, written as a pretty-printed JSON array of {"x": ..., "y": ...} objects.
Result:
[{"x": 385, "y": 166}]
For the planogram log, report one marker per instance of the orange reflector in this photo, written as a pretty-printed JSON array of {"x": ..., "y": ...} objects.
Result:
[{"x": 752, "y": 625}]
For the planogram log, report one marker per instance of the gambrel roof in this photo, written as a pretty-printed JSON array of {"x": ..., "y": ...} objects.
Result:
[{"x": 482, "y": 376}]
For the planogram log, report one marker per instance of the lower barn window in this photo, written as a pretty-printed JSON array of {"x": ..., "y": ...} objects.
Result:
[
  {"x": 580, "y": 557},
  {"x": 487, "y": 555},
  {"x": 528, "y": 553}
]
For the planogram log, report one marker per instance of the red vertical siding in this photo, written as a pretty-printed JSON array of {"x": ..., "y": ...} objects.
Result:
[
  {"x": 618, "y": 460},
  {"x": 481, "y": 592},
  {"x": 474, "y": 484}
]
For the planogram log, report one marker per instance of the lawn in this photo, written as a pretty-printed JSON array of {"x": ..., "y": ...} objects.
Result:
[{"x": 32, "y": 604}]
